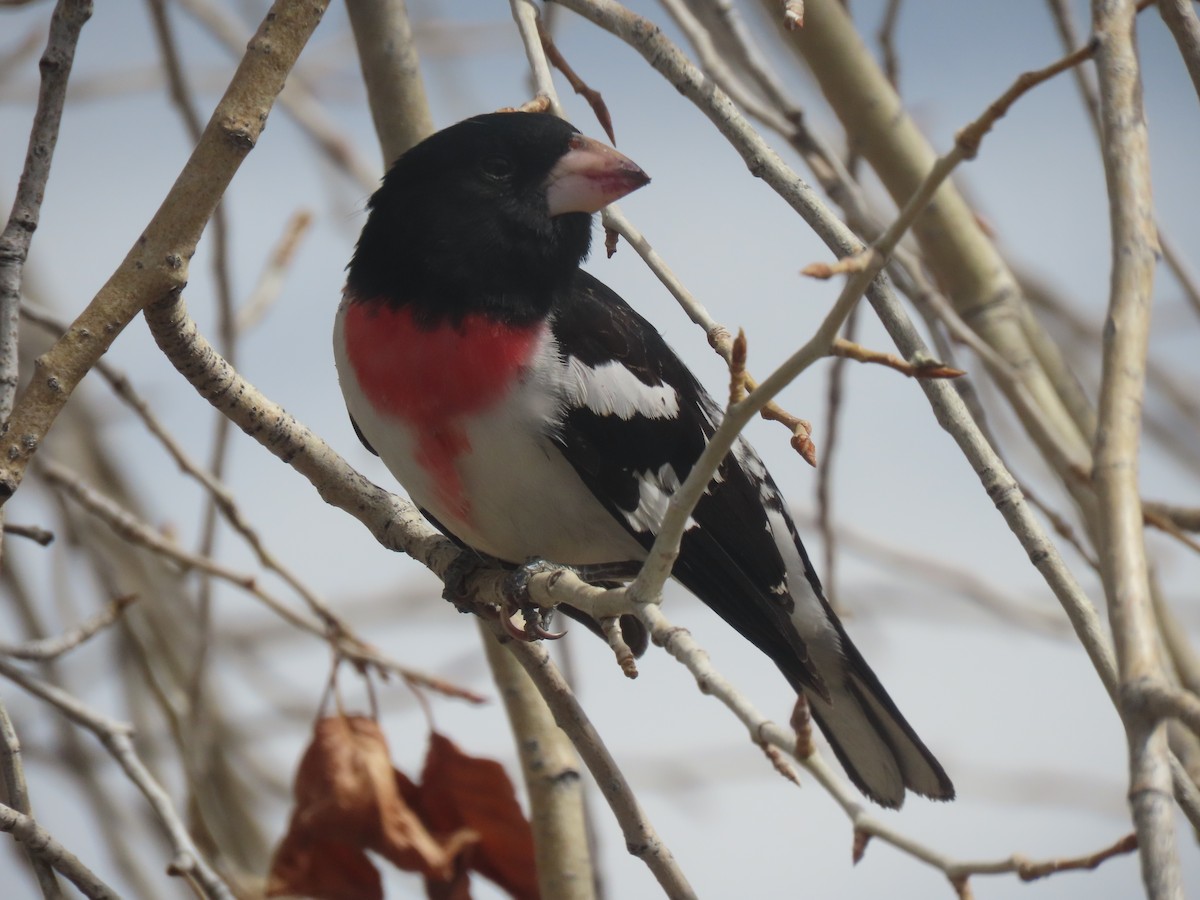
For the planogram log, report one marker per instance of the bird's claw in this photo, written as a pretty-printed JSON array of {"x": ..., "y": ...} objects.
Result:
[
  {"x": 516, "y": 591},
  {"x": 533, "y": 630}
]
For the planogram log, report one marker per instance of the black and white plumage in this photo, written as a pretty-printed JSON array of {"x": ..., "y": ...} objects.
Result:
[{"x": 533, "y": 413}]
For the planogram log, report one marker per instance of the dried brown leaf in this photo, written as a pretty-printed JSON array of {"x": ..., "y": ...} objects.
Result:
[
  {"x": 325, "y": 870},
  {"x": 460, "y": 791},
  {"x": 350, "y": 799}
]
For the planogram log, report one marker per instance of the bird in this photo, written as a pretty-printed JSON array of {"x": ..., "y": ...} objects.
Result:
[{"x": 531, "y": 413}]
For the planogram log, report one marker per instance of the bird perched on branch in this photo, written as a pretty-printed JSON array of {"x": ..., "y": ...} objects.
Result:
[{"x": 531, "y": 412}]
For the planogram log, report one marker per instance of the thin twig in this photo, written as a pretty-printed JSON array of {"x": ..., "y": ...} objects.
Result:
[
  {"x": 887, "y": 43},
  {"x": 42, "y": 846},
  {"x": 970, "y": 137},
  {"x": 65, "y": 26},
  {"x": 32, "y": 532},
  {"x": 182, "y": 98},
  {"x": 1181, "y": 19},
  {"x": 129, "y": 527},
  {"x": 54, "y": 647},
  {"x": 16, "y": 793},
  {"x": 924, "y": 368},
  {"x": 270, "y": 281},
  {"x": 719, "y": 337},
  {"x": 116, "y": 737},
  {"x": 824, "y": 488},
  {"x": 578, "y": 85},
  {"x": 79, "y": 763}
]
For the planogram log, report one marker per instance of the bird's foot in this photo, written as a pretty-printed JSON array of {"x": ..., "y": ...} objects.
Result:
[
  {"x": 516, "y": 591},
  {"x": 537, "y": 618},
  {"x": 517, "y": 597}
]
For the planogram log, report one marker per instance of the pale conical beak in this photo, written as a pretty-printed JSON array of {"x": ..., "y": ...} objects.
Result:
[{"x": 589, "y": 176}]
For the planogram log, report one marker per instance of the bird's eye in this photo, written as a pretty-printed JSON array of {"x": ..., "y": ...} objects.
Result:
[{"x": 497, "y": 168}]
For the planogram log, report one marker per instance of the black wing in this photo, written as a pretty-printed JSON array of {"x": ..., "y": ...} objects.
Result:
[{"x": 729, "y": 560}]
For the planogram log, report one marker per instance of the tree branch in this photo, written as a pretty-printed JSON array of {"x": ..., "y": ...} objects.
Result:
[
  {"x": 1181, "y": 19},
  {"x": 16, "y": 793},
  {"x": 65, "y": 27},
  {"x": 641, "y": 839},
  {"x": 392, "y": 74},
  {"x": 552, "y": 779},
  {"x": 116, "y": 738},
  {"x": 52, "y": 648},
  {"x": 157, "y": 264},
  {"x": 42, "y": 846},
  {"x": 1123, "y": 563}
]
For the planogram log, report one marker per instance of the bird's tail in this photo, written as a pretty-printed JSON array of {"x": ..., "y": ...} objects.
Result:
[{"x": 871, "y": 739}]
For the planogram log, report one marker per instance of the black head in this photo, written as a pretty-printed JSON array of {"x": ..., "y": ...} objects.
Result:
[{"x": 462, "y": 221}]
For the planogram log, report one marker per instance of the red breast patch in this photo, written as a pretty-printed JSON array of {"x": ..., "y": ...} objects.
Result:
[{"x": 432, "y": 377}]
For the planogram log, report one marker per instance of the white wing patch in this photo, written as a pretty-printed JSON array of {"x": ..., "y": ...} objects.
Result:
[
  {"x": 749, "y": 461},
  {"x": 612, "y": 390},
  {"x": 808, "y": 614},
  {"x": 655, "y": 490}
]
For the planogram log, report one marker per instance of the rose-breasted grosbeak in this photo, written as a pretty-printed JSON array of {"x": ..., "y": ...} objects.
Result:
[{"x": 530, "y": 412}]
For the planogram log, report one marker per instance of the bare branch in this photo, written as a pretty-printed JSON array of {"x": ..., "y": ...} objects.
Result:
[
  {"x": 551, "y": 770},
  {"x": 640, "y": 837},
  {"x": 65, "y": 27},
  {"x": 1060, "y": 10},
  {"x": 296, "y": 98},
  {"x": 52, "y": 648},
  {"x": 41, "y": 845},
  {"x": 1181, "y": 19},
  {"x": 965, "y": 261},
  {"x": 921, "y": 368},
  {"x": 578, "y": 85},
  {"x": 157, "y": 264},
  {"x": 16, "y": 793},
  {"x": 331, "y": 628},
  {"x": 1123, "y": 562},
  {"x": 32, "y": 532},
  {"x": 116, "y": 738},
  {"x": 270, "y": 280},
  {"x": 392, "y": 74}
]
